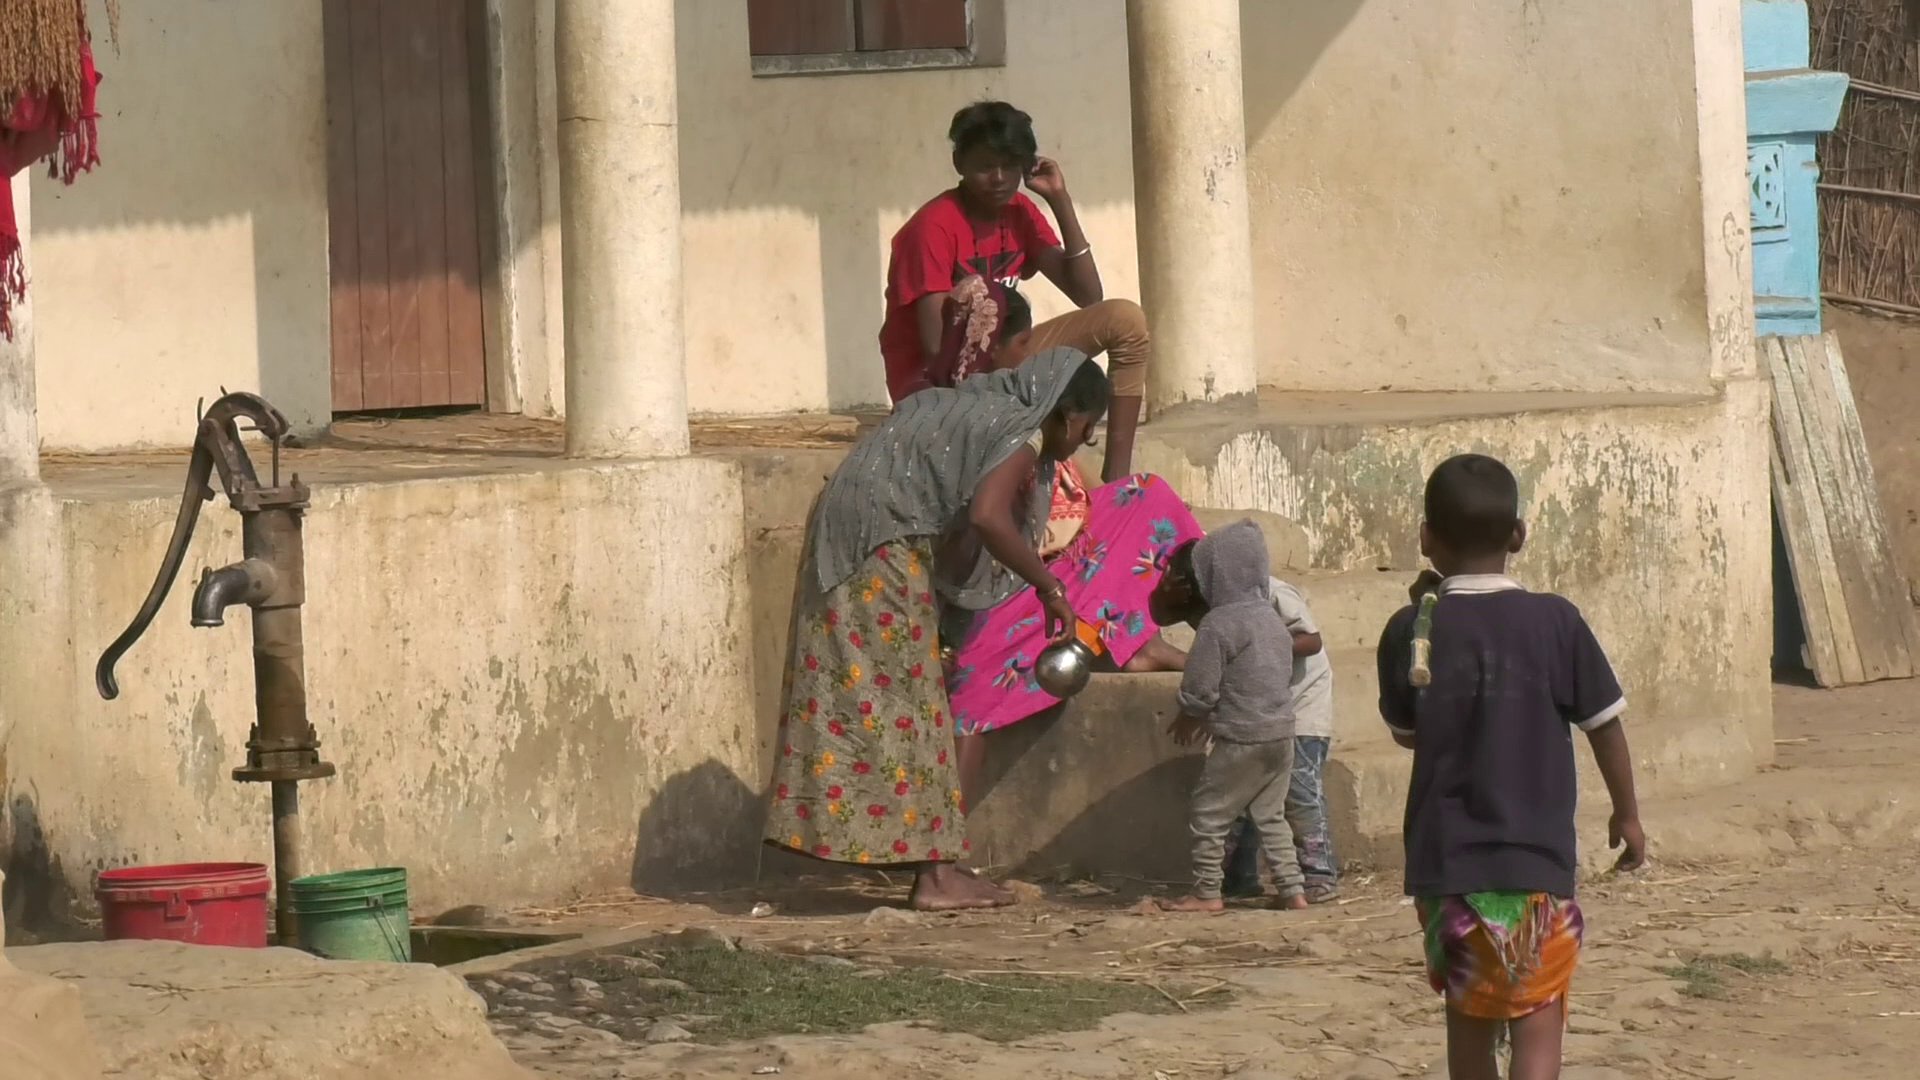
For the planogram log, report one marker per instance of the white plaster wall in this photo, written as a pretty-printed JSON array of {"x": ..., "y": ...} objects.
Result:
[
  {"x": 19, "y": 426},
  {"x": 1466, "y": 196},
  {"x": 1444, "y": 197},
  {"x": 527, "y": 698},
  {"x": 1653, "y": 518},
  {"x": 1720, "y": 81},
  {"x": 196, "y": 255},
  {"x": 793, "y": 187}
]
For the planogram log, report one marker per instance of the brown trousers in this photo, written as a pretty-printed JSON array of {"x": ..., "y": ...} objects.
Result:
[{"x": 1115, "y": 327}]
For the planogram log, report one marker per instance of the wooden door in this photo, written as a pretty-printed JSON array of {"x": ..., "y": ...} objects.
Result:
[{"x": 402, "y": 184}]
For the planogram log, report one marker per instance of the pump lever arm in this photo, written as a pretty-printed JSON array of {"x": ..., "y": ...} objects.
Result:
[
  {"x": 199, "y": 472},
  {"x": 216, "y": 444}
]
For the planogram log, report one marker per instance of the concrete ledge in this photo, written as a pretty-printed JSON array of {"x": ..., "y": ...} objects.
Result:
[
  {"x": 1095, "y": 785},
  {"x": 1650, "y": 511}
]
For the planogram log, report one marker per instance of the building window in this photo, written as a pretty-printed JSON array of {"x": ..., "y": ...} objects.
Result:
[{"x": 822, "y": 37}]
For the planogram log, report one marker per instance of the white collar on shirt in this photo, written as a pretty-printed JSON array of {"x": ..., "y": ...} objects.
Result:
[{"x": 1478, "y": 584}]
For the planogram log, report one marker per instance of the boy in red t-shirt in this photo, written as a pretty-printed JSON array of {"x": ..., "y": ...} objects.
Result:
[{"x": 958, "y": 262}]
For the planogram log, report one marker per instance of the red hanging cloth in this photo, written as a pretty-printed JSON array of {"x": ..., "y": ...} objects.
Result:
[{"x": 38, "y": 125}]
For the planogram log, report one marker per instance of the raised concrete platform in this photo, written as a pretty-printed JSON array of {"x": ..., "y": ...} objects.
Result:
[
  {"x": 1093, "y": 786},
  {"x": 540, "y": 677},
  {"x": 1649, "y": 511},
  {"x": 533, "y": 677}
]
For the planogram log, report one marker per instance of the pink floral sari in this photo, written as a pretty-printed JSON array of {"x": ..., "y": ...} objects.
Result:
[{"x": 1109, "y": 569}]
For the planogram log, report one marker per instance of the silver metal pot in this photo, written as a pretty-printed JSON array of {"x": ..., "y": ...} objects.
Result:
[{"x": 1064, "y": 667}]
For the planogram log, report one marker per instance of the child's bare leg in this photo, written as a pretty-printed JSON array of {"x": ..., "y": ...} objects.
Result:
[
  {"x": 1158, "y": 654},
  {"x": 1471, "y": 1042},
  {"x": 970, "y": 762},
  {"x": 1536, "y": 1043},
  {"x": 1218, "y": 799}
]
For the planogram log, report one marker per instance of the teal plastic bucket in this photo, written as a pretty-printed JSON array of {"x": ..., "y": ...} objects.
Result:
[{"x": 354, "y": 915}]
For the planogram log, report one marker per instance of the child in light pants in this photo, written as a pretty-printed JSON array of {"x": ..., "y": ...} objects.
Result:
[
  {"x": 1312, "y": 687},
  {"x": 1177, "y": 599},
  {"x": 1234, "y": 694}
]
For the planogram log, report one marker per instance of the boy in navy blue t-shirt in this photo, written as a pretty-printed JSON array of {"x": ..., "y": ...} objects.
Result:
[{"x": 1489, "y": 823}]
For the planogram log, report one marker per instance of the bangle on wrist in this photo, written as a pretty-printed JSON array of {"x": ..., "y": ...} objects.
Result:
[
  {"x": 1085, "y": 250},
  {"x": 1054, "y": 591}
]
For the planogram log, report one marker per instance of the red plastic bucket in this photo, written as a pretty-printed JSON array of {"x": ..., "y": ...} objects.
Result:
[{"x": 198, "y": 903}]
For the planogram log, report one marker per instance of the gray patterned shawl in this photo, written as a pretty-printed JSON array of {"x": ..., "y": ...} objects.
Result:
[{"x": 916, "y": 473}]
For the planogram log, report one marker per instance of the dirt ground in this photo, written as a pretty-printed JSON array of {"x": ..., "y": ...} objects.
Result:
[{"x": 1802, "y": 963}]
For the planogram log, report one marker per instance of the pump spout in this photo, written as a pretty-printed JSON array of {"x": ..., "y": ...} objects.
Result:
[{"x": 246, "y": 582}]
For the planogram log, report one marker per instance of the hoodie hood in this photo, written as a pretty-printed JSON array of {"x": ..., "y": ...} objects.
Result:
[{"x": 1230, "y": 565}]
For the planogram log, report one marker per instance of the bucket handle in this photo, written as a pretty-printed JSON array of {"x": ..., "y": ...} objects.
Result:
[
  {"x": 395, "y": 945},
  {"x": 394, "y": 942},
  {"x": 176, "y": 909}
]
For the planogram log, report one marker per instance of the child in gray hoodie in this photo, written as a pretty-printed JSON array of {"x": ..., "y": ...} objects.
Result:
[{"x": 1235, "y": 694}]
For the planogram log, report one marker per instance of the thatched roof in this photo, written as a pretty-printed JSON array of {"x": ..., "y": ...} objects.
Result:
[{"x": 40, "y": 46}]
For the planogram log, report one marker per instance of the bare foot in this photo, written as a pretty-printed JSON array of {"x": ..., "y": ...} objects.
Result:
[
  {"x": 946, "y": 887},
  {"x": 1194, "y": 904},
  {"x": 1296, "y": 902}
]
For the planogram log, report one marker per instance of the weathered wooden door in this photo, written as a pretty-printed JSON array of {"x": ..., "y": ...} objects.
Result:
[{"x": 402, "y": 184}]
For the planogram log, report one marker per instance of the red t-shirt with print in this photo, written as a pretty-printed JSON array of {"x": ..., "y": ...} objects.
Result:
[{"x": 938, "y": 248}]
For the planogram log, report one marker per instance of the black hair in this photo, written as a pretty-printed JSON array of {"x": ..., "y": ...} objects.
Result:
[
  {"x": 996, "y": 125},
  {"x": 1087, "y": 392},
  {"x": 1180, "y": 566},
  {"x": 1179, "y": 570},
  {"x": 1018, "y": 318},
  {"x": 1473, "y": 504}
]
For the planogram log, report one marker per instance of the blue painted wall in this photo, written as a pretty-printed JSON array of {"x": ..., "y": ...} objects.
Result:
[{"x": 1788, "y": 107}]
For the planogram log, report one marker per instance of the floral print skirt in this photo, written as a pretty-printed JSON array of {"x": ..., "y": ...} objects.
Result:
[
  {"x": 1133, "y": 525},
  {"x": 865, "y": 771}
]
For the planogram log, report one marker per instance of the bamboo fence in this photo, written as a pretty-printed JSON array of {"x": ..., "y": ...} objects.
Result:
[{"x": 1870, "y": 164}]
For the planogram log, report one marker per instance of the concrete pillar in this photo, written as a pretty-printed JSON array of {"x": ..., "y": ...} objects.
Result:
[
  {"x": 620, "y": 228},
  {"x": 1190, "y": 197},
  {"x": 19, "y": 404}
]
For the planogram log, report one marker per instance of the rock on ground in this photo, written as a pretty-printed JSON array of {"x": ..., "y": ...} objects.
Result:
[
  {"x": 163, "y": 1011},
  {"x": 43, "y": 1033}
]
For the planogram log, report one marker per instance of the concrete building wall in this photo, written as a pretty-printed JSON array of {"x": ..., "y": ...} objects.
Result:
[
  {"x": 1452, "y": 196},
  {"x": 196, "y": 255},
  {"x": 794, "y": 186},
  {"x": 526, "y": 697},
  {"x": 1634, "y": 507},
  {"x": 1422, "y": 219}
]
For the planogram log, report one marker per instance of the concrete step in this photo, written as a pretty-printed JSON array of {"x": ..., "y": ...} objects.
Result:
[
  {"x": 1097, "y": 786},
  {"x": 1351, "y": 609},
  {"x": 1093, "y": 786}
]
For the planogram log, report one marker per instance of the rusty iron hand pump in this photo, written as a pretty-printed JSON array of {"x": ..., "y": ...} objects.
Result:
[{"x": 271, "y": 579}]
